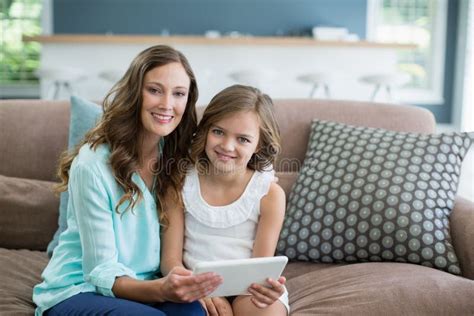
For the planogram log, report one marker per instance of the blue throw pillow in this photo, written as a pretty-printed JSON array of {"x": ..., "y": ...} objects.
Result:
[{"x": 84, "y": 116}]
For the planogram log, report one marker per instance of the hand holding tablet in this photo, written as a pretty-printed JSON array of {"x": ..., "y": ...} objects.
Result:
[{"x": 239, "y": 274}]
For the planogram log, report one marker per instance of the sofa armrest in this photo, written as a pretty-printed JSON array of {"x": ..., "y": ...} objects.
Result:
[{"x": 462, "y": 233}]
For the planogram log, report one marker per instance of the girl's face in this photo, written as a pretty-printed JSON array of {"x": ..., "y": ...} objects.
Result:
[
  {"x": 232, "y": 141},
  {"x": 165, "y": 94}
]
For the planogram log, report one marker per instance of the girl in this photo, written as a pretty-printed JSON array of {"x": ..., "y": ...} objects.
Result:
[
  {"x": 106, "y": 262},
  {"x": 233, "y": 208}
]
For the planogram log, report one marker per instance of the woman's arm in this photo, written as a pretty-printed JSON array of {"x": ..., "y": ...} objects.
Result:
[
  {"x": 101, "y": 266},
  {"x": 178, "y": 286},
  {"x": 172, "y": 239}
]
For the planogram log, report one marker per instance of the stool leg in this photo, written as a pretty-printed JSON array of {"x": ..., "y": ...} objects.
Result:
[
  {"x": 326, "y": 91},
  {"x": 372, "y": 97},
  {"x": 69, "y": 88},
  {"x": 313, "y": 90},
  {"x": 57, "y": 87},
  {"x": 389, "y": 93}
]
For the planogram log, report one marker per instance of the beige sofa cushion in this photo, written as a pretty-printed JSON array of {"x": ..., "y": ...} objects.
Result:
[
  {"x": 462, "y": 223},
  {"x": 376, "y": 289},
  {"x": 28, "y": 213},
  {"x": 314, "y": 289},
  {"x": 20, "y": 271},
  {"x": 31, "y": 146},
  {"x": 295, "y": 116}
]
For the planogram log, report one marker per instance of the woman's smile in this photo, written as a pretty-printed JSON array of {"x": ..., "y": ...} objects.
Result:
[{"x": 162, "y": 118}]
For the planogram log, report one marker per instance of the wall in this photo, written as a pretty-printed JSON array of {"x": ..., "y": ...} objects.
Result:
[
  {"x": 186, "y": 17},
  {"x": 257, "y": 17}
]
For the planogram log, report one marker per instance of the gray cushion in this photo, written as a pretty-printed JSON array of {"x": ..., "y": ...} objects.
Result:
[{"x": 366, "y": 194}]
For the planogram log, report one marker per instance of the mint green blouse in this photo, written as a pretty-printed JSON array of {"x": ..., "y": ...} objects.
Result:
[{"x": 99, "y": 243}]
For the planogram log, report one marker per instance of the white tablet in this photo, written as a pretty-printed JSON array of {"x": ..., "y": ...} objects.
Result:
[{"x": 239, "y": 274}]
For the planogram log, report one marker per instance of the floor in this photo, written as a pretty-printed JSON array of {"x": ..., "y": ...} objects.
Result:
[{"x": 466, "y": 183}]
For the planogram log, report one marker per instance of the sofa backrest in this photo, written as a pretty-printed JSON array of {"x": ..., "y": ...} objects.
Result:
[
  {"x": 295, "y": 117},
  {"x": 33, "y": 133}
]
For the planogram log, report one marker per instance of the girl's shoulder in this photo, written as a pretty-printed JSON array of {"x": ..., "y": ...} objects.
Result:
[
  {"x": 261, "y": 183},
  {"x": 246, "y": 207},
  {"x": 275, "y": 193}
]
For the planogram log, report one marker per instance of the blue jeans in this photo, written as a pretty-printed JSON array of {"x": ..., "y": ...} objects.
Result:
[{"x": 95, "y": 304}]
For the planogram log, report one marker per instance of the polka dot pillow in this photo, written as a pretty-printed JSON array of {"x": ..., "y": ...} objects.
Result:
[{"x": 366, "y": 194}]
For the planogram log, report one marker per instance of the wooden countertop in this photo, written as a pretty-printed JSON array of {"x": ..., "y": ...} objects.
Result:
[{"x": 201, "y": 40}]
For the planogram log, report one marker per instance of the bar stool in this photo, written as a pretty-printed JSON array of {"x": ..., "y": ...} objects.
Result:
[
  {"x": 111, "y": 75},
  {"x": 257, "y": 78},
  {"x": 62, "y": 79},
  {"x": 317, "y": 80},
  {"x": 386, "y": 81}
]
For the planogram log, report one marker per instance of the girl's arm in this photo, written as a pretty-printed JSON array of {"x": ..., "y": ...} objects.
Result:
[
  {"x": 172, "y": 252},
  {"x": 172, "y": 239},
  {"x": 272, "y": 213}
]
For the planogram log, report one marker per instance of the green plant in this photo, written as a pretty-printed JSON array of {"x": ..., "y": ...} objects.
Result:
[{"x": 19, "y": 60}]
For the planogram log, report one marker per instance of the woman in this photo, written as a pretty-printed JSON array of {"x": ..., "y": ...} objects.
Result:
[{"x": 107, "y": 260}]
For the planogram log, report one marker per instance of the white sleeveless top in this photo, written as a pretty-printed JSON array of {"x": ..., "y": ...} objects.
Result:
[{"x": 221, "y": 232}]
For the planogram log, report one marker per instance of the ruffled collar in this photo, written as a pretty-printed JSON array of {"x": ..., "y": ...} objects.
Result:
[{"x": 228, "y": 215}]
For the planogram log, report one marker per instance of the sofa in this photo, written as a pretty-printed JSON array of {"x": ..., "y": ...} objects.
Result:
[{"x": 33, "y": 133}]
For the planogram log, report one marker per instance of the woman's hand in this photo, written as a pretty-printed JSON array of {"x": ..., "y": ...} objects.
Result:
[
  {"x": 263, "y": 296},
  {"x": 217, "y": 306},
  {"x": 180, "y": 285}
]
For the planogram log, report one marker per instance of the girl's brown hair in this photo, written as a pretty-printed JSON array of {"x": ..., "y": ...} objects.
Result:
[
  {"x": 238, "y": 98},
  {"x": 120, "y": 128}
]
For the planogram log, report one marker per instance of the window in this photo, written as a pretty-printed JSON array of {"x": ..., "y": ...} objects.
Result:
[
  {"x": 420, "y": 22},
  {"x": 464, "y": 95},
  {"x": 19, "y": 60}
]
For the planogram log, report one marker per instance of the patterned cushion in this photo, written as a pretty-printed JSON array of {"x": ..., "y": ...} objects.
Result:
[{"x": 366, "y": 194}]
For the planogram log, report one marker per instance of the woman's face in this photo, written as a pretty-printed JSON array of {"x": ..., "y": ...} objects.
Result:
[{"x": 165, "y": 94}]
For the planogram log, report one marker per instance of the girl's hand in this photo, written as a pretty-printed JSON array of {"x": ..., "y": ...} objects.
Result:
[
  {"x": 217, "y": 306},
  {"x": 180, "y": 285},
  {"x": 263, "y": 296}
]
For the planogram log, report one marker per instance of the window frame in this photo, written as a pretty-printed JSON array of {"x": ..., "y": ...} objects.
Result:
[{"x": 434, "y": 95}]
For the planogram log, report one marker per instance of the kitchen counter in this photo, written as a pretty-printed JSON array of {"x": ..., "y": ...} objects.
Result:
[
  {"x": 201, "y": 40},
  {"x": 279, "y": 61}
]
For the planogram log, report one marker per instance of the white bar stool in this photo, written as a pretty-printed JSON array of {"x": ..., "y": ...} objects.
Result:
[
  {"x": 61, "y": 79},
  {"x": 317, "y": 80},
  {"x": 386, "y": 81},
  {"x": 111, "y": 75},
  {"x": 257, "y": 78}
]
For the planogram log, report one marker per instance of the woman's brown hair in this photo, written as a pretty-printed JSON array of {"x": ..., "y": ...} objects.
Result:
[
  {"x": 120, "y": 128},
  {"x": 234, "y": 99}
]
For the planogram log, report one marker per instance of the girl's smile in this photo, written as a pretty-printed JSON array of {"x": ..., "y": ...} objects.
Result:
[{"x": 224, "y": 157}]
